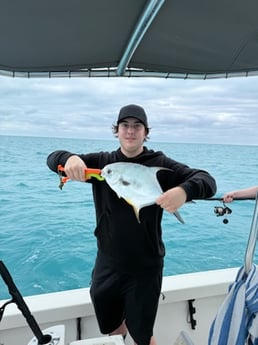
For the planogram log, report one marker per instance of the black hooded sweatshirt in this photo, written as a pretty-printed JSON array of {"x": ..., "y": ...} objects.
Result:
[{"x": 126, "y": 244}]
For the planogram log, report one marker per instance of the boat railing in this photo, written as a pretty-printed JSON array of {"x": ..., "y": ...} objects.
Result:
[{"x": 251, "y": 244}]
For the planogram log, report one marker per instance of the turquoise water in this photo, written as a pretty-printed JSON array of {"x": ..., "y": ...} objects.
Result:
[{"x": 43, "y": 254}]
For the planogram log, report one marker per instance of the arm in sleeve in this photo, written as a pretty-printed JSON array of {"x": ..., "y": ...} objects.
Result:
[
  {"x": 198, "y": 184},
  {"x": 58, "y": 157}
]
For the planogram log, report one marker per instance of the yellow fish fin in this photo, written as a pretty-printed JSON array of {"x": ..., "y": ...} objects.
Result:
[{"x": 136, "y": 210}]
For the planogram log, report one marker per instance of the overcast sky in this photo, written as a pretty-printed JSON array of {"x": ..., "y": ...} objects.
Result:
[{"x": 199, "y": 111}]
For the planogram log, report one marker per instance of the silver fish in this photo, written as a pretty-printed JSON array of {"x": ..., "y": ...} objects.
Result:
[{"x": 136, "y": 183}]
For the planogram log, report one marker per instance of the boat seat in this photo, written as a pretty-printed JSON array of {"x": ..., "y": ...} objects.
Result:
[
  {"x": 183, "y": 339},
  {"x": 106, "y": 340}
]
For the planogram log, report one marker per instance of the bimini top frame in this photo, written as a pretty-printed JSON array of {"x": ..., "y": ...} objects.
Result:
[{"x": 198, "y": 39}]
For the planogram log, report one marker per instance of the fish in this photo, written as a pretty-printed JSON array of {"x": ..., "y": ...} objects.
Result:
[{"x": 137, "y": 184}]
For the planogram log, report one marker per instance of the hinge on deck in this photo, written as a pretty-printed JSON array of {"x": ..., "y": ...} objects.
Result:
[
  {"x": 191, "y": 312},
  {"x": 79, "y": 328}
]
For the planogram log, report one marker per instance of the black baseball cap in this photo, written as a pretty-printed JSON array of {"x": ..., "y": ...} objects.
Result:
[{"x": 133, "y": 110}]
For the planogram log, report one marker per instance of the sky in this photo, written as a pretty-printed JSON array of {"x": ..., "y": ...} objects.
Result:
[{"x": 220, "y": 111}]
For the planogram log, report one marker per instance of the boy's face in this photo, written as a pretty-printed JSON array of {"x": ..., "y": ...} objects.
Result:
[{"x": 131, "y": 134}]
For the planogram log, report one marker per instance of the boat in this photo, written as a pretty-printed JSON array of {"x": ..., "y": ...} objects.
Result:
[{"x": 125, "y": 38}]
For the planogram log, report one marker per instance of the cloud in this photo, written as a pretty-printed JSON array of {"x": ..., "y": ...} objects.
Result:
[{"x": 197, "y": 111}]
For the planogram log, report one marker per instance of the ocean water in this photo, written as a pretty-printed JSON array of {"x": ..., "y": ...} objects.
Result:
[{"x": 46, "y": 235}]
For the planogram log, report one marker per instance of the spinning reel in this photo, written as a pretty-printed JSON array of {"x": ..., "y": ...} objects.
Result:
[{"x": 222, "y": 211}]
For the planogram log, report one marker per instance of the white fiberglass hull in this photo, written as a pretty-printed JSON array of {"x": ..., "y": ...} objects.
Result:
[{"x": 74, "y": 310}]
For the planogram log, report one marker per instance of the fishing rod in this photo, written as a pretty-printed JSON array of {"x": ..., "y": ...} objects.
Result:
[
  {"x": 96, "y": 173},
  {"x": 221, "y": 199},
  {"x": 17, "y": 298},
  {"x": 224, "y": 210}
]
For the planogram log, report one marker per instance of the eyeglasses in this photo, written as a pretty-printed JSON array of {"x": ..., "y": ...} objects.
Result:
[{"x": 137, "y": 126}]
